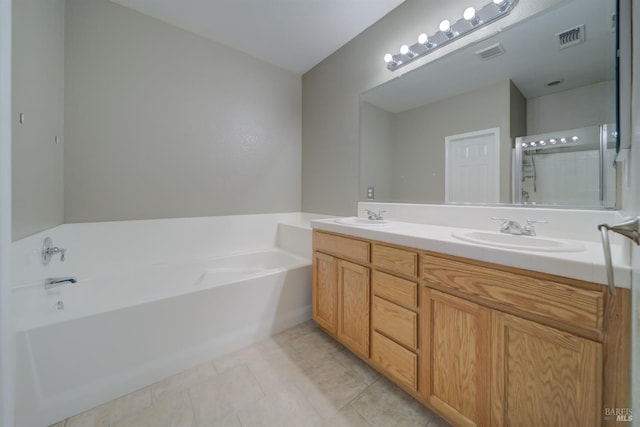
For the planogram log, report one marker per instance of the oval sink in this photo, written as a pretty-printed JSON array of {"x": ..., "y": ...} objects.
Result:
[
  {"x": 362, "y": 222},
  {"x": 523, "y": 243}
]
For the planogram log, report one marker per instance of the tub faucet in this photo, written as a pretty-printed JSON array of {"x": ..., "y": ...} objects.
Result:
[
  {"x": 48, "y": 251},
  {"x": 52, "y": 282}
]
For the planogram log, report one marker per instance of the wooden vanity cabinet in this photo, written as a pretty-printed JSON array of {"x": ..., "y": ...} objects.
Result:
[
  {"x": 543, "y": 376},
  {"x": 456, "y": 366},
  {"x": 534, "y": 343},
  {"x": 395, "y": 345},
  {"x": 325, "y": 291},
  {"x": 481, "y": 344},
  {"x": 353, "y": 306},
  {"x": 341, "y": 290}
]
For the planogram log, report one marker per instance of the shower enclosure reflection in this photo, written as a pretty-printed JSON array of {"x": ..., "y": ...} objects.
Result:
[{"x": 571, "y": 167}]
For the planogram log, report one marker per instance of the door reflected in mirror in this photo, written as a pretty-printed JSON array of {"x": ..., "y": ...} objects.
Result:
[{"x": 542, "y": 83}]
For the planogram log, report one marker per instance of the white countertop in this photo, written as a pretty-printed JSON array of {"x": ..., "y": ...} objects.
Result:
[{"x": 585, "y": 265}]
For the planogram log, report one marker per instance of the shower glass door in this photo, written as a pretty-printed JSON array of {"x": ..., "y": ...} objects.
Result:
[{"x": 574, "y": 168}]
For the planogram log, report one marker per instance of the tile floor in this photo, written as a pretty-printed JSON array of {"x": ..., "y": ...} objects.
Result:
[{"x": 300, "y": 377}]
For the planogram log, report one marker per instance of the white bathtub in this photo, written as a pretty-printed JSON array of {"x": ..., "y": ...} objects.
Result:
[{"x": 112, "y": 332}]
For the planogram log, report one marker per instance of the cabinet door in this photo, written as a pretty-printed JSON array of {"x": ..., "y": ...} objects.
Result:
[
  {"x": 455, "y": 359},
  {"x": 353, "y": 306},
  {"x": 543, "y": 376},
  {"x": 325, "y": 291}
]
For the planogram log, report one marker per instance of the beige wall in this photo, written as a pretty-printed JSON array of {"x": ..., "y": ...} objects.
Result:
[
  {"x": 38, "y": 94},
  {"x": 163, "y": 123},
  {"x": 330, "y": 93},
  {"x": 377, "y": 141},
  {"x": 419, "y": 141},
  {"x": 518, "y": 110},
  {"x": 572, "y": 109}
]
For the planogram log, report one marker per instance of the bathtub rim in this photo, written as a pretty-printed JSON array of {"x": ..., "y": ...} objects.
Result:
[{"x": 48, "y": 319}]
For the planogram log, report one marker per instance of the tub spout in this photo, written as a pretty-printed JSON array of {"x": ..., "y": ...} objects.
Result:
[{"x": 52, "y": 282}]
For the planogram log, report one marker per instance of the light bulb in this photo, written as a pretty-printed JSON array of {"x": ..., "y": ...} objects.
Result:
[
  {"x": 388, "y": 58},
  {"x": 404, "y": 49},
  {"x": 469, "y": 13},
  {"x": 574, "y": 138},
  {"x": 501, "y": 4},
  {"x": 563, "y": 140},
  {"x": 552, "y": 141},
  {"x": 533, "y": 144},
  {"x": 525, "y": 145},
  {"x": 543, "y": 142},
  {"x": 445, "y": 26},
  {"x": 423, "y": 39}
]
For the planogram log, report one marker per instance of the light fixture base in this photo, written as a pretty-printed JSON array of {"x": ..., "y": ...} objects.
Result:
[{"x": 487, "y": 14}]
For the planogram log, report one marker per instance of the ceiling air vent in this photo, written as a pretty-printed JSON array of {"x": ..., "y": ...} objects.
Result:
[
  {"x": 491, "y": 51},
  {"x": 571, "y": 36}
]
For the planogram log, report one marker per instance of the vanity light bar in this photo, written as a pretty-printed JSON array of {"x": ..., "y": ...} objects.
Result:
[
  {"x": 472, "y": 20},
  {"x": 551, "y": 142}
]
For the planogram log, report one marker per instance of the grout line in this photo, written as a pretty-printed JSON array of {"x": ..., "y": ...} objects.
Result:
[
  {"x": 350, "y": 403},
  {"x": 193, "y": 411}
]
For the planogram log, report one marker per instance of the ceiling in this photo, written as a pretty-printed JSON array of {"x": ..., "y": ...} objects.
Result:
[{"x": 293, "y": 34}]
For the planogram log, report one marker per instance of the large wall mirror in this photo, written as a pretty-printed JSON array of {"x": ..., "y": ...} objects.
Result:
[{"x": 448, "y": 131}]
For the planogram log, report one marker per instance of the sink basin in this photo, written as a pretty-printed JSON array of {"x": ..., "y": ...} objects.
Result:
[
  {"x": 523, "y": 243},
  {"x": 362, "y": 222}
]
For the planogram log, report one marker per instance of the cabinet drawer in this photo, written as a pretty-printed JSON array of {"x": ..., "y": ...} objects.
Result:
[
  {"x": 395, "y": 360},
  {"x": 557, "y": 301},
  {"x": 395, "y": 322},
  {"x": 398, "y": 260},
  {"x": 395, "y": 289},
  {"x": 343, "y": 246}
]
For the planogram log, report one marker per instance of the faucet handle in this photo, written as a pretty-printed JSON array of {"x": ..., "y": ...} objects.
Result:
[
  {"x": 537, "y": 221},
  {"x": 63, "y": 251},
  {"x": 495, "y": 218},
  {"x": 530, "y": 229},
  {"x": 505, "y": 222},
  {"x": 372, "y": 215}
]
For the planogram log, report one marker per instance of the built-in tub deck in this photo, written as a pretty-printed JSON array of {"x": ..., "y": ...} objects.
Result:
[{"x": 142, "y": 312}]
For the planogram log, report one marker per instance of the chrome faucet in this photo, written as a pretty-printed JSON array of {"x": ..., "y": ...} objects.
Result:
[
  {"x": 374, "y": 216},
  {"x": 510, "y": 226},
  {"x": 52, "y": 282},
  {"x": 48, "y": 251}
]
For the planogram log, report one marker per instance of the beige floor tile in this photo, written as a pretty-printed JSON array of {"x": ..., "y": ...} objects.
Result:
[
  {"x": 297, "y": 378},
  {"x": 329, "y": 387},
  {"x": 175, "y": 411},
  {"x": 287, "y": 407},
  {"x": 90, "y": 418},
  {"x": 264, "y": 349},
  {"x": 347, "y": 417},
  {"x": 221, "y": 396},
  {"x": 364, "y": 372},
  {"x": 273, "y": 373},
  {"x": 315, "y": 346},
  {"x": 437, "y": 421},
  {"x": 384, "y": 404},
  {"x": 112, "y": 411},
  {"x": 178, "y": 383},
  {"x": 229, "y": 421},
  {"x": 295, "y": 332}
]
